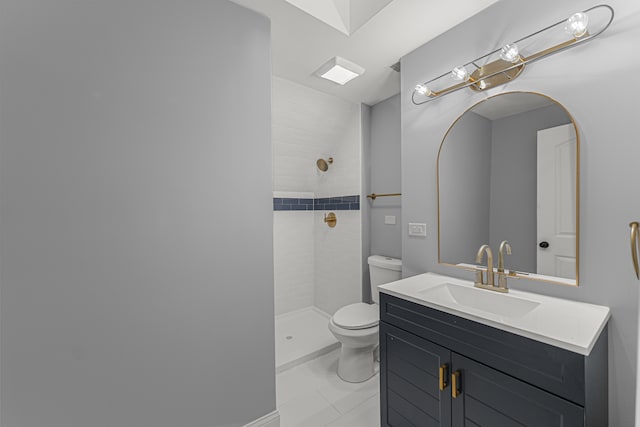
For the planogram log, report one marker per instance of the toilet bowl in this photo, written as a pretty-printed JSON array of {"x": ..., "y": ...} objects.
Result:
[{"x": 356, "y": 325}]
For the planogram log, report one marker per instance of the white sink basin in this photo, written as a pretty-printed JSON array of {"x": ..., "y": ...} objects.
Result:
[
  {"x": 504, "y": 305},
  {"x": 568, "y": 324}
]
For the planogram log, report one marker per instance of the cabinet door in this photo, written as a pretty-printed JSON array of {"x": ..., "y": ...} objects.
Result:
[
  {"x": 490, "y": 398},
  {"x": 411, "y": 369}
]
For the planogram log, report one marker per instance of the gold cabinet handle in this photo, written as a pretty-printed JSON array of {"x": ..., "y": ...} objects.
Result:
[
  {"x": 444, "y": 370},
  {"x": 455, "y": 384},
  {"x": 635, "y": 242}
]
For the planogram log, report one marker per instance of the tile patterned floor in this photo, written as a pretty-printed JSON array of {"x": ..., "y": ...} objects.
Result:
[{"x": 311, "y": 394}]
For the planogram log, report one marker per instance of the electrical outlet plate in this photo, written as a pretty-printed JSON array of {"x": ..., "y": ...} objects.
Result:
[
  {"x": 417, "y": 229},
  {"x": 390, "y": 219}
]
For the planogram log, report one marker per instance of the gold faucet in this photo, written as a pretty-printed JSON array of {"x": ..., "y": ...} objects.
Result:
[
  {"x": 502, "y": 276},
  {"x": 490, "y": 281},
  {"x": 479, "y": 282}
]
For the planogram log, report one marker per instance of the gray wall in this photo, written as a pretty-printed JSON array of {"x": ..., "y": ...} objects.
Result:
[
  {"x": 133, "y": 196},
  {"x": 514, "y": 182},
  {"x": 386, "y": 239},
  {"x": 586, "y": 80},
  {"x": 464, "y": 169}
]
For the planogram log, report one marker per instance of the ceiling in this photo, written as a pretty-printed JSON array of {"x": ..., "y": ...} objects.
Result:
[{"x": 302, "y": 43}]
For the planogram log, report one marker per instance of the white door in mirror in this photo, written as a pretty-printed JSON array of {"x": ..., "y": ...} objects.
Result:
[
  {"x": 556, "y": 202},
  {"x": 417, "y": 229}
]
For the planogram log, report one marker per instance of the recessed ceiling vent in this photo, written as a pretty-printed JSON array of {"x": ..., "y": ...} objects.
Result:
[
  {"x": 339, "y": 70},
  {"x": 395, "y": 67}
]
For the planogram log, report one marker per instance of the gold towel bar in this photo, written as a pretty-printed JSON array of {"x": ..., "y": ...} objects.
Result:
[
  {"x": 373, "y": 196},
  {"x": 635, "y": 244}
]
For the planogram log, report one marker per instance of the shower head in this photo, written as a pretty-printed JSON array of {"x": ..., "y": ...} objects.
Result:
[{"x": 323, "y": 164}]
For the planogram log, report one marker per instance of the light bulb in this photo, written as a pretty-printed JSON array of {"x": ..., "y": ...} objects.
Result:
[
  {"x": 576, "y": 25},
  {"x": 423, "y": 90},
  {"x": 482, "y": 84},
  {"x": 510, "y": 53},
  {"x": 460, "y": 73}
]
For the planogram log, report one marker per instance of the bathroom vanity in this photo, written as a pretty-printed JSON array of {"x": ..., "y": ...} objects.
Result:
[{"x": 455, "y": 355}]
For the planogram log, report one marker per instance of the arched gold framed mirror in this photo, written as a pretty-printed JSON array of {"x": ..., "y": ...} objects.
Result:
[{"x": 508, "y": 169}]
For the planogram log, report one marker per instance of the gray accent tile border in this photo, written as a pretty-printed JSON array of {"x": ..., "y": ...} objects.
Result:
[{"x": 336, "y": 203}]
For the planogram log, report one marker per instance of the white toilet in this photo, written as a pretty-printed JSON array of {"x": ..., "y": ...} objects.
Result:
[{"x": 356, "y": 325}]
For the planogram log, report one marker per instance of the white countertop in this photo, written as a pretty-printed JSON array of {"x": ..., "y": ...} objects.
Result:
[{"x": 571, "y": 325}]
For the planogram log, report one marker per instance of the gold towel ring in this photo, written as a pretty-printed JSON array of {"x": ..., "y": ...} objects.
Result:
[{"x": 635, "y": 243}]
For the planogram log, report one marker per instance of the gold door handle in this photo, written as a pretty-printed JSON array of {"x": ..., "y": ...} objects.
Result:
[
  {"x": 444, "y": 369},
  {"x": 455, "y": 384},
  {"x": 635, "y": 242}
]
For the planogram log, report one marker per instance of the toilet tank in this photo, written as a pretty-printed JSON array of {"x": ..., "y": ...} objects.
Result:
[{"x": 383, "y": 269}]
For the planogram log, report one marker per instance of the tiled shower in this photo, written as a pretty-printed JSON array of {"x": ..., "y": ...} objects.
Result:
[{"x": 317, "y": 268}]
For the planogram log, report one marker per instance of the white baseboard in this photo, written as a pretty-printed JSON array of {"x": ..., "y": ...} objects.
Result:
[{"x": 270, "y": 420}]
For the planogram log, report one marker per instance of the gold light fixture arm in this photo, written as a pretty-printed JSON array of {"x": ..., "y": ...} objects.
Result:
[
  {"x": 552, "y": 49},
  {"x": 450, "y": 89},
  {"x": 635, "y": 244}
]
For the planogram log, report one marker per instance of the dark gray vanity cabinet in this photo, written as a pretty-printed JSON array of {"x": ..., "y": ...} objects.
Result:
[
  {"x": 501, "y": 379},
  {"x": 492, "y": 398},
  {"x": 411, "y": 393}
]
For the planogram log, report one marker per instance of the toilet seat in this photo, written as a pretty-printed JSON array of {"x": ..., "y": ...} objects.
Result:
[{"x": 357, "y": 316}]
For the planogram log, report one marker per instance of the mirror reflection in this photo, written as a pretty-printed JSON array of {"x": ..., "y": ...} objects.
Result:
[{"x": 507, "y": 170}]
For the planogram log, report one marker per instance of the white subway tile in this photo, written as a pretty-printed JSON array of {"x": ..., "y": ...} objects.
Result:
[{"x": 312, "y": 261}]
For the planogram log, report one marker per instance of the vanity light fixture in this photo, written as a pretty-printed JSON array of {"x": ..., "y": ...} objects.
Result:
[
  {"x": 505, "y": 64},
  {"x": 339, "y": 70}
]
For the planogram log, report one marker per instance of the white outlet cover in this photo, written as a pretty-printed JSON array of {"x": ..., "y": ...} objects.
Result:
[{"x": 417, "y": 229}]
